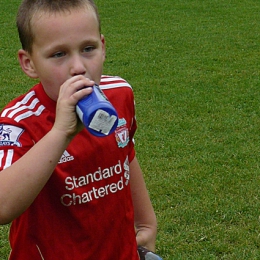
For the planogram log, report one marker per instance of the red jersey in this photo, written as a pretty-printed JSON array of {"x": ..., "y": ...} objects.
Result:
[{"x": 85, "y": 210}]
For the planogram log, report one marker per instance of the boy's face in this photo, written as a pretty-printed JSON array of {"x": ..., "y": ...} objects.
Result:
[{"x": 65, "y": 45}]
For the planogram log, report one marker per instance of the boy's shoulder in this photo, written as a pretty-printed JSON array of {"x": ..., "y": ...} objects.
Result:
[
  {"x": 117, "y": 90},
  {"x": 26, "y": 106},
  {"x": 113, "y": 82},
  {"x": 21, "y": 99}
]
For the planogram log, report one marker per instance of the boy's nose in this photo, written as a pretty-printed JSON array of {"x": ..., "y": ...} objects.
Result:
[{"x": 77, "y": 67}]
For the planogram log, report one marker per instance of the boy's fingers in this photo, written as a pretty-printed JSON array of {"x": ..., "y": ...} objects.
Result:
[
  {"x": 81, "y": 93},
  {"x": 75, "y": 84}
]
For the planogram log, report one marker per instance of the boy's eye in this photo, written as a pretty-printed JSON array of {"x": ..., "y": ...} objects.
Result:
[
  {"x": 88, "y": 49},
  {"x": 58, "y": 54}
]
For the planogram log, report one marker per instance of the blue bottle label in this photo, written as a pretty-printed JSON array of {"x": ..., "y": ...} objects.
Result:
[{"x": 102, "y": 122}]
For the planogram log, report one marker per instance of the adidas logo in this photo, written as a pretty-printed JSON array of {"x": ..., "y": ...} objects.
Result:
[{"x": 66, "y": 157}]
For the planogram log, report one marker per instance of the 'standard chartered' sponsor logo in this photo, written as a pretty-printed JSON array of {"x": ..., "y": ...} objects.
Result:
[{"x": 84, "y": 189}]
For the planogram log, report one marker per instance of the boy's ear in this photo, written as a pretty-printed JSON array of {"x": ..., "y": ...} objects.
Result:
[
  {"x": 103, "y": 46},
  {"x": 26, "y": 64}
]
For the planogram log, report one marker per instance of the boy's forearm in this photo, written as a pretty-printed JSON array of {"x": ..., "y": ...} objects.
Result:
[
  {"x": 22, "y": 181},
  {"x": 146, "y": 227},
  {"x": 145, "y": 219}
]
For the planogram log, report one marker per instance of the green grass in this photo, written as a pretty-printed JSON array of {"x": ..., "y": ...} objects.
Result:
[{"x": 194, "y": 67}]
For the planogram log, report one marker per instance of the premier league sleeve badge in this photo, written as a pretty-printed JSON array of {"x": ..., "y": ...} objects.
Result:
[{"x": 10, "y": 135}]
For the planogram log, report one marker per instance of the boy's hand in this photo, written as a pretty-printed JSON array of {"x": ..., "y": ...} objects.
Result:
[
  {"x": 145, "y": 254},
  {"x": 145, "y": 236},
  {"x": 70, "y": 93}
]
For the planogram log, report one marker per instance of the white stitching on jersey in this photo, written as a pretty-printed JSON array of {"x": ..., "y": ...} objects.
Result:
[
  {"x": 113, "y": 82},
  {"x": 31, "y": 106},
  {"x": 40, "y": 252},
  {"x": 23, "y": 105},
  {"x": 115, "y": 85},
  {"x": 8, "y": 160},
  {"x": 22, "y": 102},
  {"x": 30, "y": 113}
]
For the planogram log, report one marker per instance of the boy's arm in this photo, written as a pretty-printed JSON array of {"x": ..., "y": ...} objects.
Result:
[
  {"x": 145, "y": 219},
  {"x": 22, "y": 181}
]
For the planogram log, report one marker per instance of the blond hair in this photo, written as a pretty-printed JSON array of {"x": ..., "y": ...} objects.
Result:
[{"x": 29, "y": 8}]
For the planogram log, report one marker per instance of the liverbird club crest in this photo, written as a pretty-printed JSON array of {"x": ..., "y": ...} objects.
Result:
[{"x": 122, "y": 133}]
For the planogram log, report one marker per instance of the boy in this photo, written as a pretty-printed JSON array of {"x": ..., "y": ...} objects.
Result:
[{"x": 69, "y": 195}]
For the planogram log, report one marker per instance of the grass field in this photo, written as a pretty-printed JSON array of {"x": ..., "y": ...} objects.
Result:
[{"x": 194, "y": 66}]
